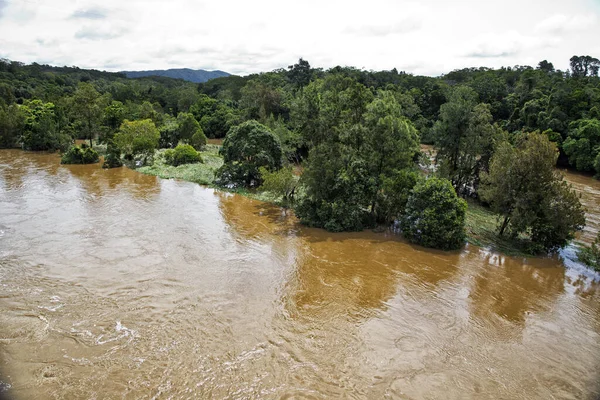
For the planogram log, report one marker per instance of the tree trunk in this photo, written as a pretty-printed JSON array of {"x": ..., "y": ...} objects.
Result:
[{"x": 504, "y": 225}]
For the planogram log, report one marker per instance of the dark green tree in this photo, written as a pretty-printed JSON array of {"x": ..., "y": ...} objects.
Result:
[
  {"x": 80, "y": 155},
  {"x": 434, "y": 215},
  {"x": 583, "y": 144},
  {"x": 40, "y": 129},
  {"x": 87, "y": 110},
  {"x": 524, "y": 187},
  {"x": 246, "y": 148}
]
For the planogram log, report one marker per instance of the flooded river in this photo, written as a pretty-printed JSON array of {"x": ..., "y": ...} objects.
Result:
[{"x": 118, "y": 285}]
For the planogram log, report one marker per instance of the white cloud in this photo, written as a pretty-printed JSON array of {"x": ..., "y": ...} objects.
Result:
[
  {"x": 424, "y": 37},
  {"x": 561, "y": 24}
]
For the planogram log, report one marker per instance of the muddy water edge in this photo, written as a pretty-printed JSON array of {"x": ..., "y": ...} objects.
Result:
[{"x": 115, "y": 284}]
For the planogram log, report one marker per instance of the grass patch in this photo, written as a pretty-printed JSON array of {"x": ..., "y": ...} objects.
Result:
[
  {"x": 202, "y": 173},
  {"x": 481, "y": 225}
]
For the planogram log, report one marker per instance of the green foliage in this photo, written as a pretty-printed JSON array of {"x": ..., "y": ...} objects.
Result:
[
  {"x": 137, "y": 138},
  {"x": 187, "y": 126},
  {"x": 215, "y": 117},
  {"x": 80, "y": 155},
  {"x": 464, "y": 137},
  {"x": 198, "y": 140},
  {"x": 202, "y": 173},
  {"x": 354, "y": 168},
  {"x": 246, "y": 148},
  {"x": 583, "y": 144},
  {"x": 590, "y": 255},
  {"x": 86, "y": 110},
  {"x": 280, "y": 184},
  {"x": 40, "y": 128},
  {"x": 12, "y": 121},
  {"x": 182, "y": 154},
  {"x": 524, "y": 187},
  {"x": 113, "y": 156},
  {"x": 394, "y": 194},
  {"x": 434, "y": 215},
  {"x": 112, "y": 118}
]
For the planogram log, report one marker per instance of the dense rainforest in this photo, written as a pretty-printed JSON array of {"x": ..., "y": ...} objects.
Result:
[{"x": 354, "y": 135}]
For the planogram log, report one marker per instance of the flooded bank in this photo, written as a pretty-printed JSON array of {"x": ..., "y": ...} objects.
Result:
[{"x": 115, "y": 284}]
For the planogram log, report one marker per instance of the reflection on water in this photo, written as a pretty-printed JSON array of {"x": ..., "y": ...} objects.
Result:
[{"x": 115, "y": 284}]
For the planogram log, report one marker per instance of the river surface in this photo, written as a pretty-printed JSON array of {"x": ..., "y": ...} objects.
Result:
[{"x": 119, "y": 285}]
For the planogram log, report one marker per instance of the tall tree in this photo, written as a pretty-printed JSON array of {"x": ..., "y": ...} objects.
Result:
[
  {"x": 464, "y": 138},
  {"x": 87, "y": 107},
  {"x": 524, "y": 187}
]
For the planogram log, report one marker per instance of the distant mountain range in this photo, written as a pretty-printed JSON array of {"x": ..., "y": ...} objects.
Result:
[{"x": 191, "y": 75}]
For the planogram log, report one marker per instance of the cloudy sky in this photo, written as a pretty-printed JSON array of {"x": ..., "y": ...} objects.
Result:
[{"x": 422, "y": 37}]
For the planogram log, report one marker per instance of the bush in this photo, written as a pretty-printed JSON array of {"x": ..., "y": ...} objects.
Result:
[
  {"x": 113, "y": 156},
  {"x": 182, "y": 154},
  {"x": 591, "y": 255},
  {"x": 80, "y": 155},
  {"x": 198, "y": 140},
  {"x": 337, "y": 216},
  {"x": 435, "y": 216}
]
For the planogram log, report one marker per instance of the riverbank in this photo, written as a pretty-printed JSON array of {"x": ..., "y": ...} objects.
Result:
[{"x": 481, "y": 223}]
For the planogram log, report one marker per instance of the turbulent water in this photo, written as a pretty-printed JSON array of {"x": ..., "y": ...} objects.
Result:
[{"x": 118, "y": 285}]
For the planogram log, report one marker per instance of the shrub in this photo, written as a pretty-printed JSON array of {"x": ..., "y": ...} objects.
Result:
[
  {"x": 113, "y": 156},
  {"x": 434, "y": 215},
  {"x": 80, "y": 155},
  {"x": 590, "y": 255},
  {"x": 182, "y": 154},
  {"x": 198, "y": 140}
]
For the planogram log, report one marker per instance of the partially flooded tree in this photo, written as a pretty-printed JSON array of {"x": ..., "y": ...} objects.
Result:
[
  {"x": 435, "y": 216},
  {"x": 246, "y": 148},
  {"x": 532, "y": 197},
  {"x": 137, "y": 138}
]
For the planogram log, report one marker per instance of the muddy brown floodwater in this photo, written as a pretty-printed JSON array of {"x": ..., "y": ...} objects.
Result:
[{"x": 119, "y": 285}]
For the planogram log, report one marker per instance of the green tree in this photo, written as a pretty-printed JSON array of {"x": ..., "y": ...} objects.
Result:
[
  {"x": 12, "y": 122},
  {"x": 189, "y": 128},
  {"x": 531, "y": 196},
  {"x": 583, "y": 144},
  {"x": 299, "y": 74},
  {"x": 182, "y": 154},
  {"x": 390, "y": 145},
  {"x": 590, "y": 255},
  {"x": 246, "y": 148},
  {"x": 137, "y": 138},
  {"x": 113, "y": 156},
  {"x": 434, "y": 215},
  {"x": 87, "y": 110},
  {"x": 280, "y": 184},
  {"x": 80, "y": 155},
  {"x": 465, "y": 140},
  {"x": 112, "y": 118},
  {"x": 40, "y": 130}
]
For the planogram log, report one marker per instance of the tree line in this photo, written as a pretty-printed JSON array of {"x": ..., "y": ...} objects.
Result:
[{"x": 354, "y": 134}]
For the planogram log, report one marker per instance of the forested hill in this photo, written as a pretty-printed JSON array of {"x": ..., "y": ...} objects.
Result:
[{"x": 191, "y": 75}]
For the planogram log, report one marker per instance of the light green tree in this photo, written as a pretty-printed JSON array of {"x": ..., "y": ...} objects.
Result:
[{"x": 137, "y": 138}]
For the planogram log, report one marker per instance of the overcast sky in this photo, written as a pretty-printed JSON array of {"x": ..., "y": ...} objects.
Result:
[{"x": 428, "y": 37}]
